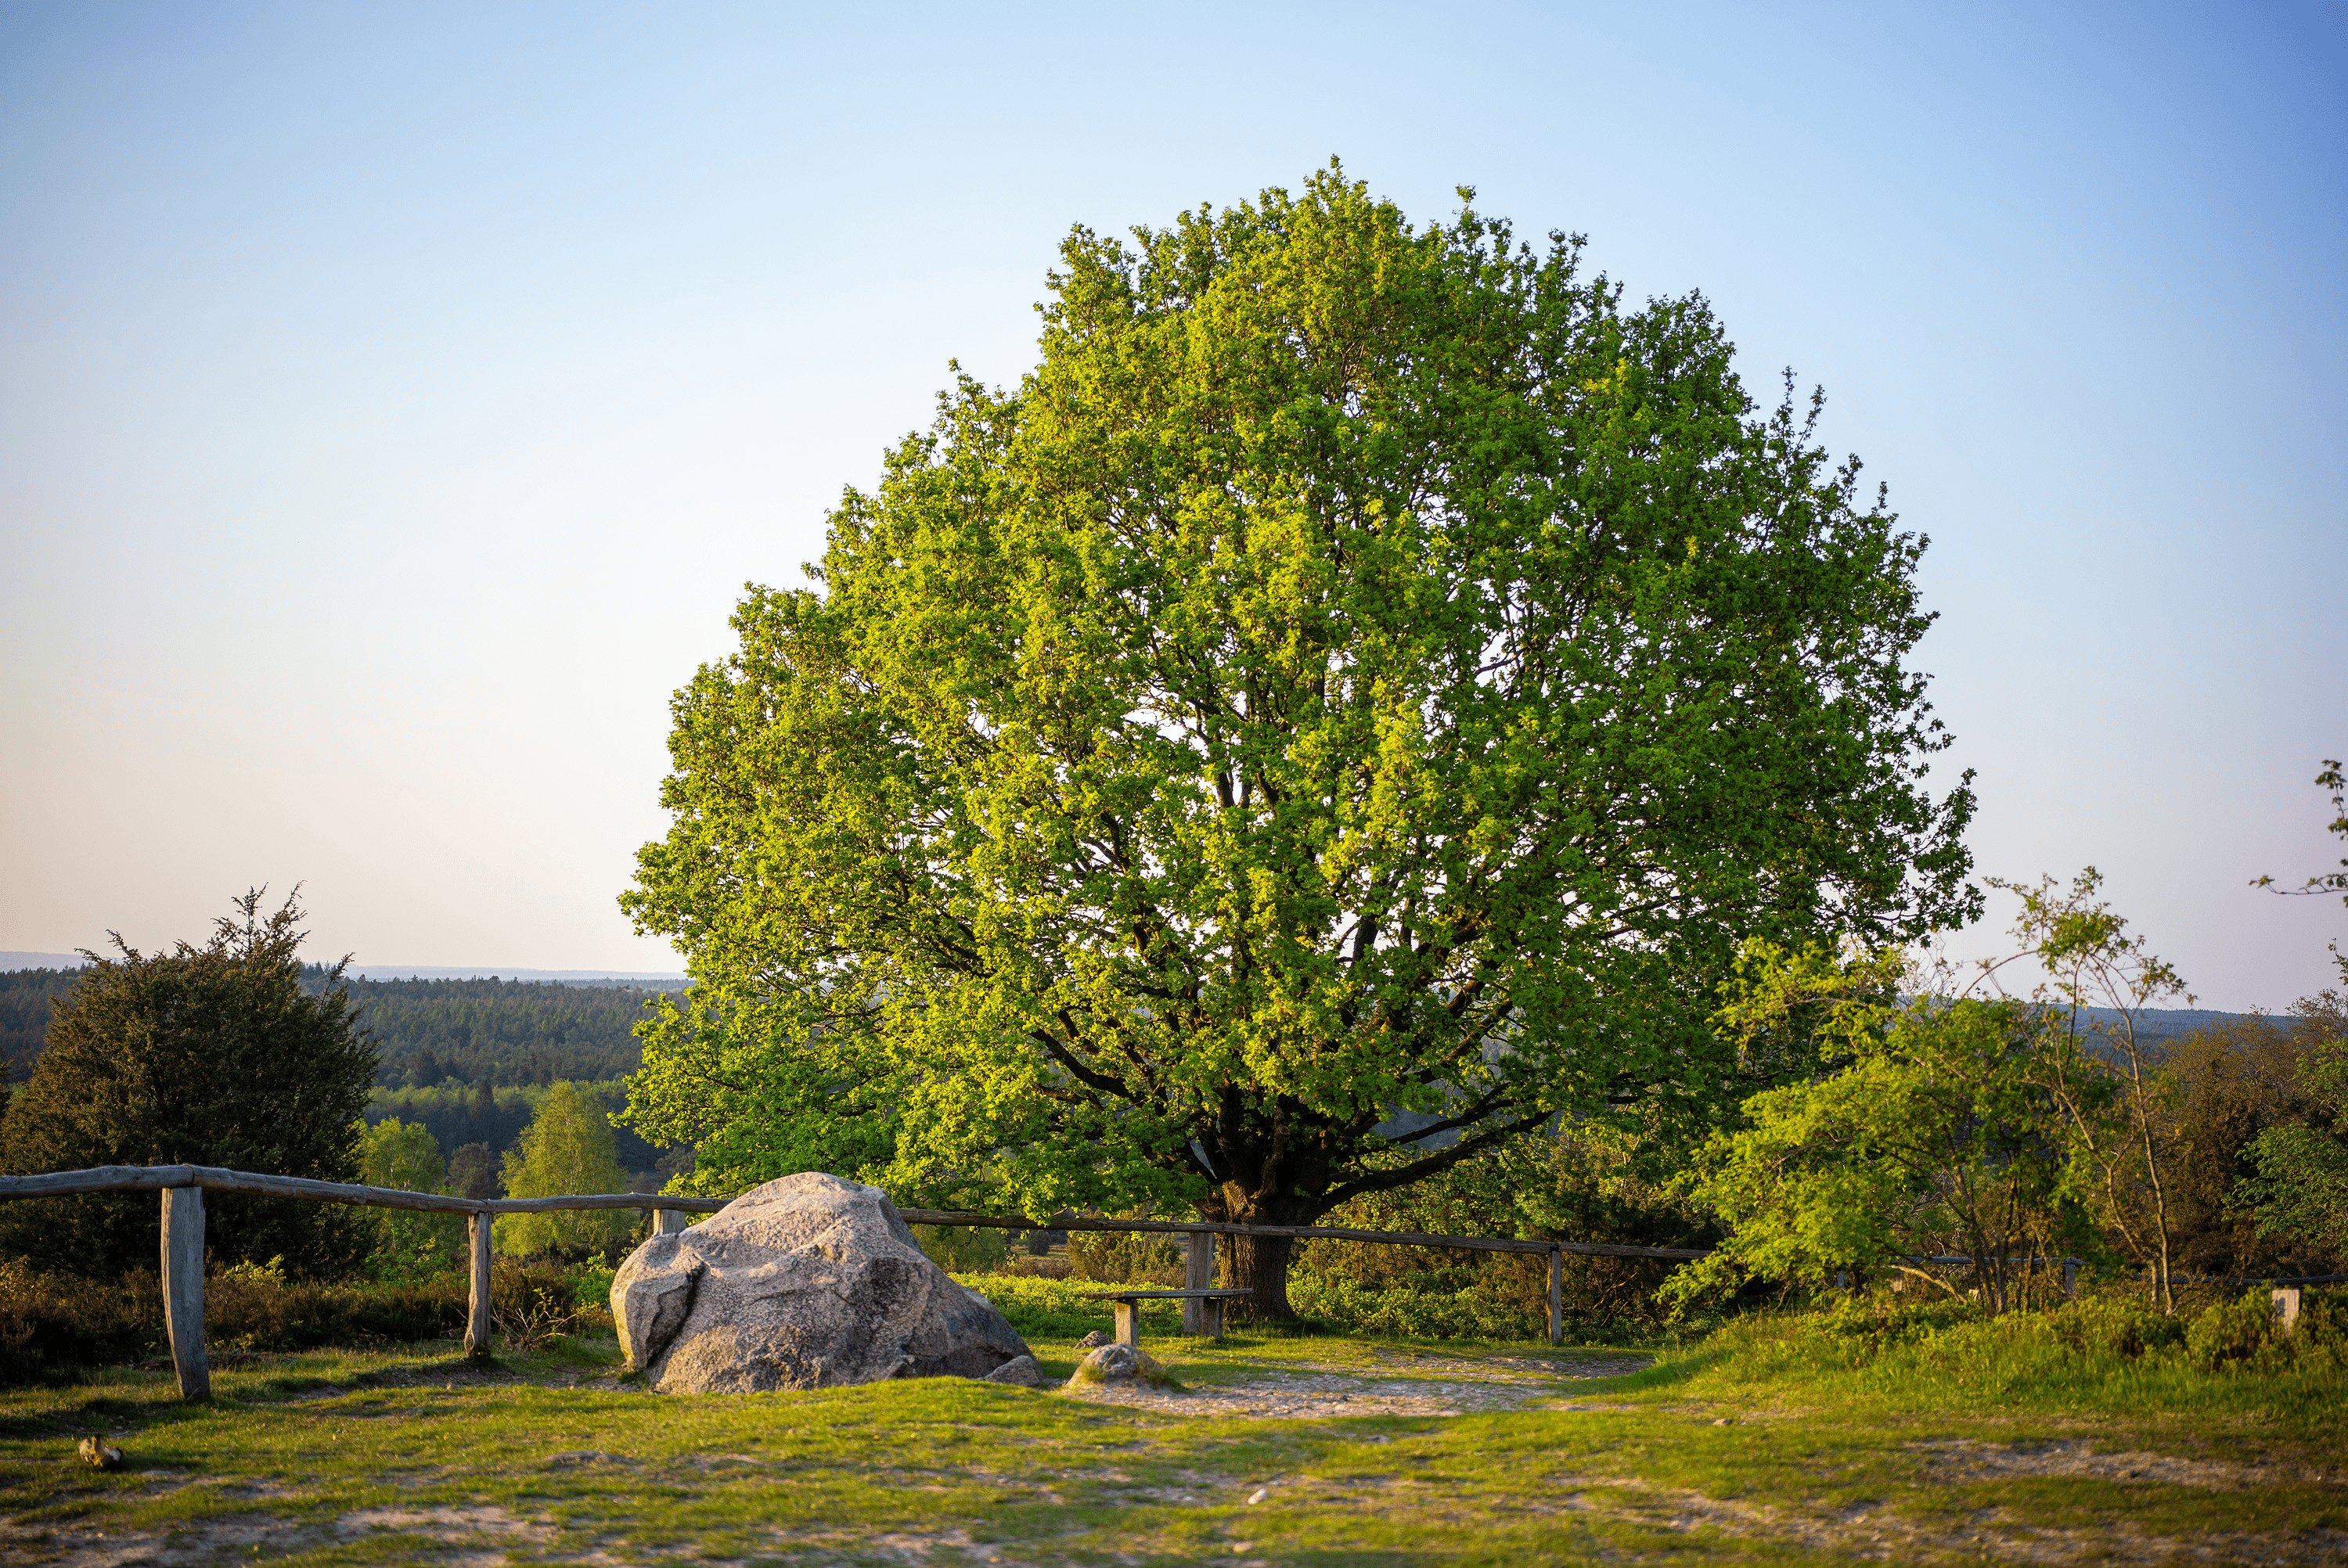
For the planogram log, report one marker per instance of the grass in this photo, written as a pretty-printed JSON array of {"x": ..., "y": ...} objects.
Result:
[{"x": 1777, "y": 1440}]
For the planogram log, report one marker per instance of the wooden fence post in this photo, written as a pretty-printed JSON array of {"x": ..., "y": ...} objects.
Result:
[
  {"x": 476, "y": 1318},
  {"x": 1556, "y": 1296},
  {"x": 2070, "y": 1279},
  {"x": 665, "y": 1221},
  {"x": 183, "y": 1288},
  {"x": 1199, "y": 1273}
]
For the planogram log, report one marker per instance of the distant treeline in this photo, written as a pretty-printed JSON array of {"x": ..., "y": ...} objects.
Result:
[
  {"x": 24, "y": 995},
  {"x": 506, "y": 1033}
]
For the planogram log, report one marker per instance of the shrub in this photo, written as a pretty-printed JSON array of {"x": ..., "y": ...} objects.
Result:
[
  {"x": 1127, "y": 1257},
  {"x": 215, "y": 1055},
  {"x": 2242, "y": 1329},
  {"x": 2128, "y": 1325}
]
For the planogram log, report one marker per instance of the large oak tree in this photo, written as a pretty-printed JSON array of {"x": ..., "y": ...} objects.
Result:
[{"x": 1363, "y": 668}]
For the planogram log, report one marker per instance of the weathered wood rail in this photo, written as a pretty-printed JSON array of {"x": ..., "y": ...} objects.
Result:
[
  {"x": 184, "y": 1188},
  {"x": 1198, "y": 1266}
]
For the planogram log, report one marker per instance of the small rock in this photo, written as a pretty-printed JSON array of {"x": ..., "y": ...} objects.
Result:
[
  {"x": 1092, "y": 1341},
  {"x": 1722, "y": 1422},
  {"x": 1258, "y": 1495},
  {"x": 94, "y": 1452},
  {"x": 1021, "y": 1370},
  {"x": 1115, "y": 1361}
]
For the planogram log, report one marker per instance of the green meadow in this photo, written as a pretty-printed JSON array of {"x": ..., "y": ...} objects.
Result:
[{"x": 1818, "y": 1437}]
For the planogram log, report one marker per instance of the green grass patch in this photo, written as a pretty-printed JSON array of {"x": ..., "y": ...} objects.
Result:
[{"x": 1787, "y": 1439}]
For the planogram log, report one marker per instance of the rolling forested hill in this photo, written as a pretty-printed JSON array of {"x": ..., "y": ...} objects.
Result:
[
  {"x": 24, "y": 998},
  {"x": 428, "y": 1032},
  {"x": 509, "y": 1033}
]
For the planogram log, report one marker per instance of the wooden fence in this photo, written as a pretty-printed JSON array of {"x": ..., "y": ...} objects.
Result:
[{"x": 184, "y": 1188}]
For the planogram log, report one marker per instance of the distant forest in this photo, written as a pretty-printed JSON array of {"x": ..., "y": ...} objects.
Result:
[
  {"x": 24, "y": 1016},
  {"x": 469, "y": 1058},
  {"x": 507, "y": 1033}
]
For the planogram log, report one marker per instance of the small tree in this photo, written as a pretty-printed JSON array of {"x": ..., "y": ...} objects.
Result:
[
  {"x": 215, "y": 1055},
  {"x": 2099, "y": 981},
  {"x": 473, "y": 1171},
  {"x": 393, "y": 1154},
  {"x": 1933, "y": 1135},
  {"x": 567, "y": 1149}
]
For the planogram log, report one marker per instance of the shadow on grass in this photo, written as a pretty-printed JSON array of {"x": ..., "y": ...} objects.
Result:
[{"x": 1661, "y": 1374}]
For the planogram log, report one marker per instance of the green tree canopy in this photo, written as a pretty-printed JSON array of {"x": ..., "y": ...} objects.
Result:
[
  {"x": 2300, "y": 1190},
  {"x": 403, "y": 1155},
  {"x": 215, "y": 1055},
  {"x": 1363, "y": 667},
  {"x": 567, "y": 1149}
]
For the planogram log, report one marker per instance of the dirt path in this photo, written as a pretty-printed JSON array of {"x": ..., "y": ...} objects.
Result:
[{"x": 1400, "y": 1385}]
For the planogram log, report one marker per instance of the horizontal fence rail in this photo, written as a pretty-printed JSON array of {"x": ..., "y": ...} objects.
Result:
[
  {"x": 1298, "y": 1233},
  {"x": 149, "y": 1178},
  {"x": 183, "y": 1186}
]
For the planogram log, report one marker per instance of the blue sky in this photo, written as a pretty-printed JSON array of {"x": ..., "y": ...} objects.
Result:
[{"x": 394, "y": 400}]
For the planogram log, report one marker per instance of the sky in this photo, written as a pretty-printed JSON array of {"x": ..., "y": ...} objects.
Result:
[{"x": 394, "y": 400}]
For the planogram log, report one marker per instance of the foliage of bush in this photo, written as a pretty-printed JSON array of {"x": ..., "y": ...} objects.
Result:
[
  {"x": 216, "y": 1055},
  {"x": 2103, "y": 1350},
  {"x": 1587, "y": 1183},
  {"x": 1127, "y": 1257},
  {"x": 1473, "y": 1311}
]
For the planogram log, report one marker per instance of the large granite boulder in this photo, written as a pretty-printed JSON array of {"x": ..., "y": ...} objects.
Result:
[{"x": 804, "y": 1282}]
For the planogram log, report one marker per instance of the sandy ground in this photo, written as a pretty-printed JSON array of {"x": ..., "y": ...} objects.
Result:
[
  {"x": 1401, "y": 1385},
  {"x": 1398, "y": 1382}
]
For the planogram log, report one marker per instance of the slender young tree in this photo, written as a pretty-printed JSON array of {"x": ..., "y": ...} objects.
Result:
[
  {"x": 2099, "y": 981},
  {"x": 567, "y": 1149},
  {"x": 1363, "y": 667}
]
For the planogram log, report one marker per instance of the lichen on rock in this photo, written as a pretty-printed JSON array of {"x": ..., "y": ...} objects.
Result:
[{"x": 806, "y": 1282}]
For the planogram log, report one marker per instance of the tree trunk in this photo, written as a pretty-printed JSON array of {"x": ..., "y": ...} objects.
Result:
[{"x": 1259, "y": 1262}]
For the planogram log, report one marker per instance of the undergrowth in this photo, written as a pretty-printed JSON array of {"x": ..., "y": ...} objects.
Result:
[
  {"x": 2107, "y": 1353},
  {"x": 52, "y": 1326}
]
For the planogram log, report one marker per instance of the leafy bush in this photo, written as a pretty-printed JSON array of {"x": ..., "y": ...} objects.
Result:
[
  {"x": 1127, "y": 1257},
  {"x": 2127, "y": 1326},
  {"x": 1056, "y": 1310},
  {"x": 2240, "y": 1330},
  {"x": 1473, "y": 1311},
  {"x": 1585, "y": 1184},
  {"x": 217, "y": 1055},
  {"x": 964, "y": 1249}
]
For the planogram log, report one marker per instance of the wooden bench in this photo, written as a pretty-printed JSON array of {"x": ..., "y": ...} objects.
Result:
[{"x": 1128, "y": 1309}]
